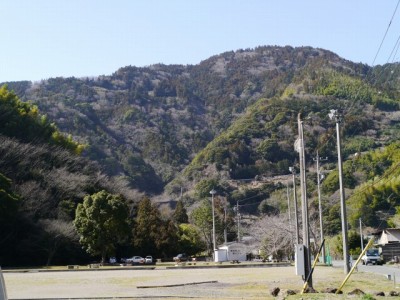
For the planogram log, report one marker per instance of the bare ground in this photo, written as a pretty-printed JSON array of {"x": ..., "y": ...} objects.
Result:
[{"x": 211, "y": 283}]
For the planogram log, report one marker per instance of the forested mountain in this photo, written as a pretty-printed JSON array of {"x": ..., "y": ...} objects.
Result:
[
  {"x": 174, "y": 130},
  {"x": 42, "y": 179},
  {"x": 149, "y": 123}
]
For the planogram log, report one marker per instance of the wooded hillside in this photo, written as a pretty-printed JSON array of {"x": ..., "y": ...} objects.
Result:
[{"x": 229, "y": 123}]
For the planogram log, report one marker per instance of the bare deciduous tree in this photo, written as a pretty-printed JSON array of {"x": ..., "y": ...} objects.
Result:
[
  {"x": 57, "y": 232},
  {"x": 274, "y": 236}
]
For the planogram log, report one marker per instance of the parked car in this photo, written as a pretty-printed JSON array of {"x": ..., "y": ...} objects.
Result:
[
  {"x": 372, "y": 257},
  {"x": 181, "y": 257},
  {"x": 135, "y": 260},
  {"x": 112, "y": 260},
  {"x": 148, "y": 260}
]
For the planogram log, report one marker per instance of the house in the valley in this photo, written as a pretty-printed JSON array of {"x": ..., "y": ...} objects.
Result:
[{"x": 388, "y": 240}]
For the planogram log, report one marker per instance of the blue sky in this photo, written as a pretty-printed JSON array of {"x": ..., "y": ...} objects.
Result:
[{"x": 48, "y": 38}]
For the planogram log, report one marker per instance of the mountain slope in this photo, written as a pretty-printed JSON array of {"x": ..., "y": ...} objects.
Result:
[
  {"x": 148, "y": 123},
  {"x": 42, "y": 179},
  {"x": 230, "y": 123}
]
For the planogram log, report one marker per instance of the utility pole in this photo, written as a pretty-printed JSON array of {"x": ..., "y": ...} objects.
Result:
[
  {"x": 225, "y": 229},
  {"x": 293, "y": 171},
  {"x": 319, "y": 179},
  {"x": 288, "y": 205},
  {"x": 361, "y": 235},
  {"x": 289, "y": 213},
  {"x": 304, "y": 204},
  {"x": 238, "y": 221},
  {"x": 213, "y": 192},
  {"x": 334, "y": 115}
]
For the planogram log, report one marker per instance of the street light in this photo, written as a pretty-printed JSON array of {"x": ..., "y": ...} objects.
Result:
[{"x": 213, "y": 192}]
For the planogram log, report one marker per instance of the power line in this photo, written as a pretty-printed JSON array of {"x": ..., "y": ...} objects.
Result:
[
  {"x": 388, "y": 173},
  {"x": 386, "y": 32},
  {"x": 371, "y": 185},
  {"x": 394, "y": 50},
  {"x": 254, "y": 203},
  {"x": 258, "y": 195},
  {"x": 352, "y": 105}
]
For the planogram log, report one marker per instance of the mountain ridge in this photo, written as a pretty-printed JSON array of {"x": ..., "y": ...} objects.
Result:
[
  {"x": 202, "y": 99},
  {"x": 229, "y": 123}
]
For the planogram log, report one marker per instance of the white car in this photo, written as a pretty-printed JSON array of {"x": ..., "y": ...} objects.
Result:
[
  {"x": 148, "y": 259},
  {"x": 372, "y": 257},
  {"x": 135, "y": 260}
]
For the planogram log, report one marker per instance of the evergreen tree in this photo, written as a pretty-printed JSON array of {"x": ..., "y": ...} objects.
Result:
[
  {"x": 180, "y": 214},
  {"x": 167, "y": 240},
  {"x": 102, "y": 223},
  {"x": 147, "y": 227},
  {"x": 8, "y": 201}
]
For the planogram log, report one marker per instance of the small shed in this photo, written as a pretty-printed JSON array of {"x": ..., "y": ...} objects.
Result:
[
  {"x": 389, "y": 235},
  {"x": 389, "y": 243},
  {"x": 231, "y": 252}
]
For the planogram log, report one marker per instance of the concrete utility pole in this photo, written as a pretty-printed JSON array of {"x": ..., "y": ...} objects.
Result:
[
  {"x": 288, "y": 206},
  {"x": 225, "y": 229},
  {"x": 304, "y": 204},
  {"x": 238, "y": 221},
  {"x": 319, "y": 178},
  {"x": 213, "y": 192},
  {"x": 289, "y": 214},
  {"x": 334, "y": 115},
  {"x": 296, "y": 216},
  {"x": 361, "y": 235}
]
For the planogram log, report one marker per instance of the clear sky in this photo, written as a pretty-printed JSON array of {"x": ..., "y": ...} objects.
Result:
[{"x": 48, "y": 38}]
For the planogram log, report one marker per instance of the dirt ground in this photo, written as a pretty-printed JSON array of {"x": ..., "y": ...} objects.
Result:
[{"x": 210, "y": 283}]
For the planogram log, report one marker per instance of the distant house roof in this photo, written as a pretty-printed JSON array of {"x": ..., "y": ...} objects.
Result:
[{"x": 389, "y": 235}]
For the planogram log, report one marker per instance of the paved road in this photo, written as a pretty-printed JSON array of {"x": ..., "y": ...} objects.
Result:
[{"x": 392, "y": 270}]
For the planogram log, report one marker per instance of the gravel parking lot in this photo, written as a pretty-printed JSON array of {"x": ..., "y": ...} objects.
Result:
[{"x": 214, "y": 283}]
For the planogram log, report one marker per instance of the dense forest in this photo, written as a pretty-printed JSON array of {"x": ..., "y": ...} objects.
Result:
[{"x": 154, "y": 141}]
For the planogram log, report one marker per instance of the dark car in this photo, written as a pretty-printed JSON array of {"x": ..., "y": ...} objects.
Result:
[{"x": 181, "y": 257}]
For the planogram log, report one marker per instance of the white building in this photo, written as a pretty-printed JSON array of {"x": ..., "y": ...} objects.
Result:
[{"x": 231, "y": 252}]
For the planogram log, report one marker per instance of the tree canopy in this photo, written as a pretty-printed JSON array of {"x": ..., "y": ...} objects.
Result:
[
  {"x": 180, "y": 215},
  {"x": 102, "y": 223}
]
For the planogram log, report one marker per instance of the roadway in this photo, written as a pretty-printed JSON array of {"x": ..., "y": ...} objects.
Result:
[{"x": 386, "y": 270}]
